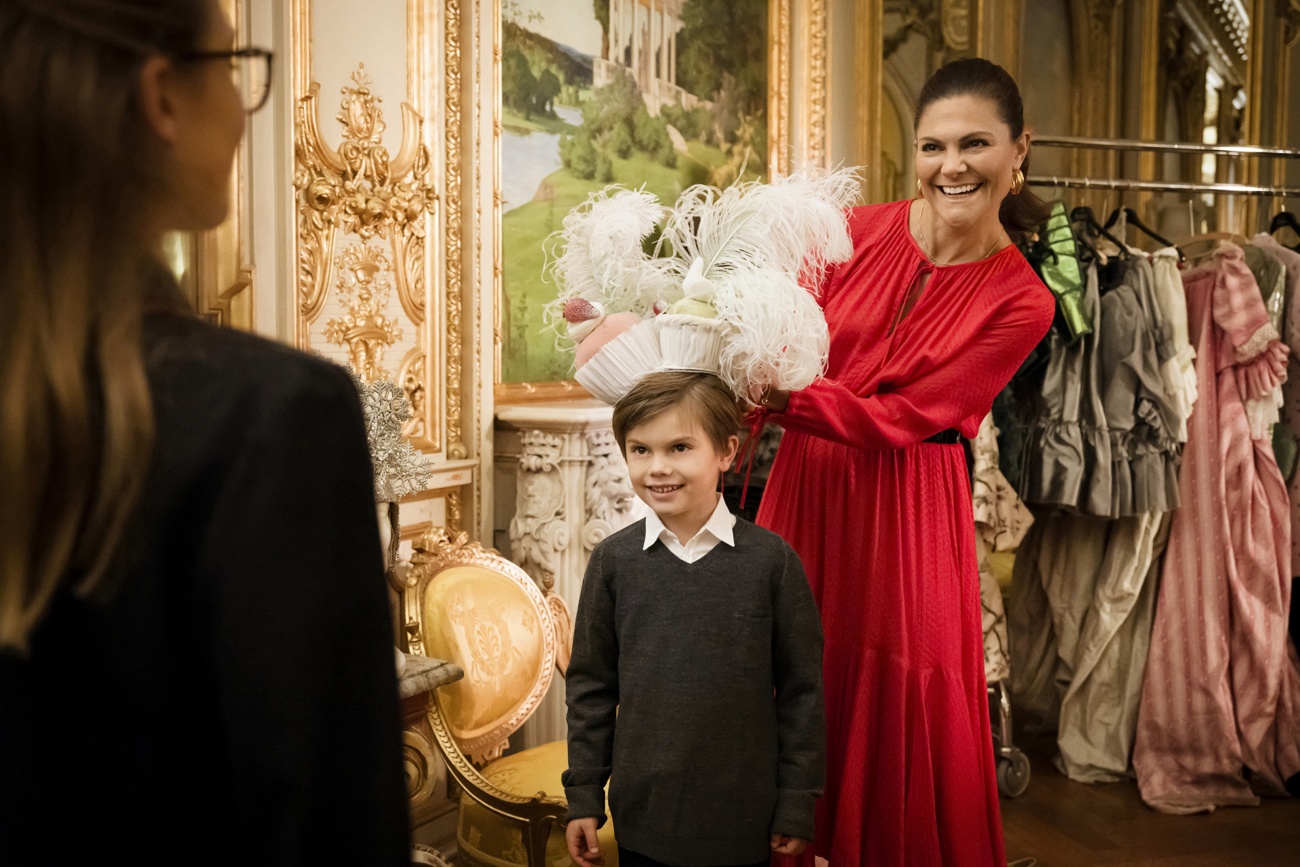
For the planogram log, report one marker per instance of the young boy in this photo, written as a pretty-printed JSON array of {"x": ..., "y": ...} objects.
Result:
[{"x": 695, "y": 682}]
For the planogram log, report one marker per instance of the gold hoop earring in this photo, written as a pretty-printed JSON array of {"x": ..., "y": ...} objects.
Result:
[
  {"x": 918, "y": 186},
  {"x": 1017, "y": 181}
]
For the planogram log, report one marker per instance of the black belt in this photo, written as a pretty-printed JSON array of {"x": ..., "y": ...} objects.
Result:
[{"x": 945, "y": 437}]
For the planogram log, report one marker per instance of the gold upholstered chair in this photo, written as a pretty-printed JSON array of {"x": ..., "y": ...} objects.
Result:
[{"x": 473, "y": 607}]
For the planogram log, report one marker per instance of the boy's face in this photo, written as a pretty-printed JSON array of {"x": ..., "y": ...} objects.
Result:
[{"x": 674, "y": 468}]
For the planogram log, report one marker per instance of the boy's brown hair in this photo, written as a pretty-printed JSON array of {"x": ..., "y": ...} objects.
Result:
[{"x": 703, "y": 396}]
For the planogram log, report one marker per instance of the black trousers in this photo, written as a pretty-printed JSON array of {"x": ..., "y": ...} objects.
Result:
[{"x": 628, "y": 858}]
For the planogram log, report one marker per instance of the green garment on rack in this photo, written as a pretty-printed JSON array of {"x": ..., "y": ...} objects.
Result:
[{"x": 1061, "y": 272}]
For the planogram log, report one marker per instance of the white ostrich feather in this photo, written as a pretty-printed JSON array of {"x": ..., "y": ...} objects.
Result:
[
  {"x": 778, "y": 336},
  {"x": 745, "y": 250},
  {"x": 794, "y": 225},
  {"x": 601, "y": 255}
]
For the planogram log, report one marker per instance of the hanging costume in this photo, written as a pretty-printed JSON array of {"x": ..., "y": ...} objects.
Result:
[{"x": 1220, "y": 693}]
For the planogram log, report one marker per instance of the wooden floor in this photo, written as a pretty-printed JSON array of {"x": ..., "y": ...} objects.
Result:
[{"x": 1066, "y": 824}]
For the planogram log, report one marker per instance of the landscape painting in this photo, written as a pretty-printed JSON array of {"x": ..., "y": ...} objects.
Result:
[{"x": 659, "y": 94}]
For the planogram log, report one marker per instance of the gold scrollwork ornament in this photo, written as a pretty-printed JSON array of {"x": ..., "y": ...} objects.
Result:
[
  {"x": 364, "y": 330},
  {"x": 359, "y": 189}
]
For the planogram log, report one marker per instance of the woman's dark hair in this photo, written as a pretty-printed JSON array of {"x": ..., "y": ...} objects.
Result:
[
  {"x": 76, "y": 264},
  {"x": 1021, "y": 214}
]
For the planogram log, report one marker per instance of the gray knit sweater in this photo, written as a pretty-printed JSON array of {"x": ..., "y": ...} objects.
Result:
[{"x": 696, "y": 691}]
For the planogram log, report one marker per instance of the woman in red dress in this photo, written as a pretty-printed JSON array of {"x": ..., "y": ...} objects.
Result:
[{"x": 929, "y": 320}]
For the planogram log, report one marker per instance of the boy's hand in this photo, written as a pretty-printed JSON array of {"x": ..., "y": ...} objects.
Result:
[
  {"x": 580, "y": 835},
  {"x": 788, "y": 845}
]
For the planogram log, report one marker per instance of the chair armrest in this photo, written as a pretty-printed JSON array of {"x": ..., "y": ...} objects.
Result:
[
  {"x": 563, "y": 631},
  {"x": 533, "y": 810},
  {"x": 425, "y": 674}
]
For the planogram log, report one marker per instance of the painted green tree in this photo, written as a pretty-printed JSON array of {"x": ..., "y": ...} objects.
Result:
[
  {"x": 730, "y": 36},
  {"x": 518, "y": 84},
  {"x": 548, "y": 88}
]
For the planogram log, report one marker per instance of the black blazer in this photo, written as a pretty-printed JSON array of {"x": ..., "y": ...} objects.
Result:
[{"x": 236, "y": 700}]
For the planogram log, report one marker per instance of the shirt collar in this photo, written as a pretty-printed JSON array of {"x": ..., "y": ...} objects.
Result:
[{"x": 721, "y": 524}]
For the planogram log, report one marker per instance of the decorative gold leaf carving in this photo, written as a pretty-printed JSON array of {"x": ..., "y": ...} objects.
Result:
[
  {"x": 817, "y": 82},
  {"x": 365, "y": 331},
  {"x": 456, "y": 449},
  {"x": 455, "y": 512},
  {"x": 411, "y": 379},
  {"x": 778, "y": 91},
  {"x": 359, "y": 190}
]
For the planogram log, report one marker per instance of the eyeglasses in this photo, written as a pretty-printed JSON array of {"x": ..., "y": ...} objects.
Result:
[{"x": 250, "y": 68}]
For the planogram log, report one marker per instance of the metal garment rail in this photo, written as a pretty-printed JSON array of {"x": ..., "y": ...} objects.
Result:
[
  {"x": 1167, "y": 147},
  {"x": 1160, "y": 186},
  {"x": 1124, "y": 184}
]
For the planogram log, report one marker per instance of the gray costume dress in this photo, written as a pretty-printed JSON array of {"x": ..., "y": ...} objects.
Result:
[{"x": 1067, "y": 459}]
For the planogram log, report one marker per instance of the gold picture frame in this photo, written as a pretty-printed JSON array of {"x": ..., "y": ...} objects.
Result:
[{"x": 796, "y": 28}]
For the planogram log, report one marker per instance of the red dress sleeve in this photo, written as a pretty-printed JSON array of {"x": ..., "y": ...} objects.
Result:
[{"x": 959, "y": 389}]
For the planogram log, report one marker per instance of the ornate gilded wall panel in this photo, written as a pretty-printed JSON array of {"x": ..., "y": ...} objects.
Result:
[
  {"x": 364, "y": 217},
  {"x": 381, "y": 220}
]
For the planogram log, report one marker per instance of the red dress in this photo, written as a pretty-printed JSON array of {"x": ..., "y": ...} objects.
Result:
[{"x": 884, "y": 525}]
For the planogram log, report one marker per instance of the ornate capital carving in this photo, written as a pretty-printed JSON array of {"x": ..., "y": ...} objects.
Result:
[
  {"x": 539, "y": 530},
  {"x": 541, "y": 451},
  {"x": 957, "y": 24},
  {"x": 1101, "y": 18},
  {"x": 608, "y": 489}
]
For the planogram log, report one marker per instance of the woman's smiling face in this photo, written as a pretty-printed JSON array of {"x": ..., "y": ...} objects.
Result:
[{"x": 965, "y": 157}]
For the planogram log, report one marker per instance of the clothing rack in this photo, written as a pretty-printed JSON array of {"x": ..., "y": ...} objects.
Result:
[
  {"x": 1167, "y": 147},
  {"x": 1188, "y": 187},
  {"x": 1160, "y": 186},
  {"x": 1124, "y": 184}
]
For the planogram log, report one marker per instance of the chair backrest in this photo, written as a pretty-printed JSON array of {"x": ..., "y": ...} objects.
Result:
[{"x": 473, "y": 607}]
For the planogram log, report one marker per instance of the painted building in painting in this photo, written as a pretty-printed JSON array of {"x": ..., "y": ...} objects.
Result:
[{"x": 643, "y": 41}]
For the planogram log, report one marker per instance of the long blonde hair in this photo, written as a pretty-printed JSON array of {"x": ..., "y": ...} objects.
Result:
[{"x": 76, "y": 420}]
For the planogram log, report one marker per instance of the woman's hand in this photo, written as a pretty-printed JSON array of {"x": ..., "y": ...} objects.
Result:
[
  {"x": 773, "y": 399},
  {"x": 788, "y": 845}
]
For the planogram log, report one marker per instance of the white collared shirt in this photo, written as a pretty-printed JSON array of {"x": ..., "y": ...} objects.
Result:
[{"x": 719, "y": 528}]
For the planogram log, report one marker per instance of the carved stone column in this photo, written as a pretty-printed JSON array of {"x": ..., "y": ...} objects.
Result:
[{"x": 561, "y": 487}]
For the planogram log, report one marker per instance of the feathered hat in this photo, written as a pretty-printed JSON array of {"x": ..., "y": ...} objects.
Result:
[{"x": 721, "y": 291}]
